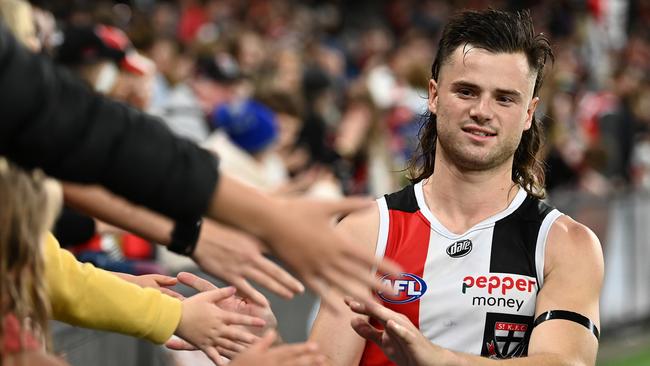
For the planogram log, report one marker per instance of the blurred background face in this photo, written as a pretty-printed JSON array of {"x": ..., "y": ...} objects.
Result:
[
  {"x": 288, "y": 130},
  {"x": 164, "y": 53},
  {"x": 251, "y": 52},
  {"x": 133, "y": 88},
  {"x": 211, "y": 93}
]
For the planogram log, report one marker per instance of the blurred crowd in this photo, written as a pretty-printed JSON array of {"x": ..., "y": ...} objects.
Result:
[{"x": 327, "y": 97}]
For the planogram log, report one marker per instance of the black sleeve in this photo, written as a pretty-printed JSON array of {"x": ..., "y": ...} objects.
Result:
[
  {"x": 53, "y": 121},
  {"x": 73, "y": 228}
]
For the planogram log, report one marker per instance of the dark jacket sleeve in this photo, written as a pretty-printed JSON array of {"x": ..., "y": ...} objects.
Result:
[
  {"x": 53, "y": 121},
  {"x": 73, "y": 228}
]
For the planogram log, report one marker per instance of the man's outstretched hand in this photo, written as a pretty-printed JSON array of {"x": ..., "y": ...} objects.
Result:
[
  {"x": 301, "y": 233},
  {"x": 400, "y": 340}
]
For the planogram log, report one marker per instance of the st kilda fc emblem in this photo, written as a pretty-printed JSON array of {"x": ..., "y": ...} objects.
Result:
[{"x": 506, "y": 336}]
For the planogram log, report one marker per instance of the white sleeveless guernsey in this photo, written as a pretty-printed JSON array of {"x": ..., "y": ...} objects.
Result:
[{"x": 473, "y": 293}]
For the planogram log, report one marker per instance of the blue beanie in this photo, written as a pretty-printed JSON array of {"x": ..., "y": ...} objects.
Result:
[{"x": 250, "y": 125}]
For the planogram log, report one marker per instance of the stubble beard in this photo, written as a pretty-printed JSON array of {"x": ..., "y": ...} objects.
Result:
[{"x": 468, "y": 158}]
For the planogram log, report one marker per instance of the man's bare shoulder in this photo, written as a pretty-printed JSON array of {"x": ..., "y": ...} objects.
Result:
[
  {"x": 362, "y": 226},
  {"x": 573, "y": 244}
]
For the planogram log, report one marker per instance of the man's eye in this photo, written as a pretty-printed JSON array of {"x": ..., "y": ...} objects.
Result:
[{"x": 465, "y": 92}]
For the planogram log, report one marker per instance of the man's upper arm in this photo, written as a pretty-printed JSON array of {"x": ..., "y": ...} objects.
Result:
[
  {"x": 333, "y": 333},
  {"x": 573, "y": 276},
  {"x": 52, "y": 120}
]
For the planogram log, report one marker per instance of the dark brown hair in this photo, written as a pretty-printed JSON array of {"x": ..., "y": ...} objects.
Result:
[
  {"x": 280, "y": 101},
  {"x": 498, "y": 32}
]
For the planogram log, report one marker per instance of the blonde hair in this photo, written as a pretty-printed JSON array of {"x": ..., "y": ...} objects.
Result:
[
  {"x": 18, "y": 16},
  {"x": 29, "y": 203}
]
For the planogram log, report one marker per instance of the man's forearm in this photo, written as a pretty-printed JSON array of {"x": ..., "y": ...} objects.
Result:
[
  {"x": 99, "y": 203},
  {"x": 242, "y": 206}
]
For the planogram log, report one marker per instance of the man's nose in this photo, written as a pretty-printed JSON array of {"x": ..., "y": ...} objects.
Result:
[{"x": 481, "y": 111}]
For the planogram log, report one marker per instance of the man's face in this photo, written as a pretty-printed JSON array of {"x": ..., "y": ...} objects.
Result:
[{"x": 483, "y": 103}]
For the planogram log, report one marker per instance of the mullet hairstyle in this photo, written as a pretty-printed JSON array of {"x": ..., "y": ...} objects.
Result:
[{"x": 497, "y": 32}]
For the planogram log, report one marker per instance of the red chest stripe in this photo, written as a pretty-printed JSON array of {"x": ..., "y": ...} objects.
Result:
[{"x": 408, "y": 244}]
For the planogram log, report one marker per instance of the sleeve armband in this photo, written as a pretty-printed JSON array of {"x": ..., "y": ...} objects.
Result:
[{"x": 570, "y": 316}]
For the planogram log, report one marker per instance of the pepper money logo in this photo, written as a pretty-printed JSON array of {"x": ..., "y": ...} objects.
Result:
[{"x": 407, "y": 288}]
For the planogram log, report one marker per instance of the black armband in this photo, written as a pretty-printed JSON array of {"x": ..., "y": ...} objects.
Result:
[
  {"x": 184, "y": 237},
  {"x": 570, "y": 316}
]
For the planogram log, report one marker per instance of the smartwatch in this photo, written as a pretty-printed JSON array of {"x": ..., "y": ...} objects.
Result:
[{"x": 185, "y": 235}]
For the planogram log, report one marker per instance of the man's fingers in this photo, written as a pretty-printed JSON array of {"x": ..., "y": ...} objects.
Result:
[
  {"x": 377, "y": 311},
  {"x": 219, "y": 294},
  {"x": 387, "y": 266},
  {"x": 247, "y": 291},
  {"x": 400, "y": 332},
  {"x": 328, "y": 296},
  {"x": 365, "y": 330},
  {"x": 269, "y": 282},
  {"x": 195, "y": 282},
  {"x": 367, "y": 310},
  {"x": 280, "y": 274},
  {"x": 400, "y": 337},
  {"x": 390, "y": 351},
  {"x": 346, "y": 285},
  {"x": 352, "y": 269},
  {"x": 368, "y": 260},
  {"x": 357, "y": 306},
  {"x": 317, "y": 285}
]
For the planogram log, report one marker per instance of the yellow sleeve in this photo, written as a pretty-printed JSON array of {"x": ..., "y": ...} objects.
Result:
[{"x": 84, "y": 295}]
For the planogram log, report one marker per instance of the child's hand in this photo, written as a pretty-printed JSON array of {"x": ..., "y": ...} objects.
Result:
[
  {"x": 237, "y": 304},
  {"x": 234, "y": 304},
  {"x": 212, "y": 329}
]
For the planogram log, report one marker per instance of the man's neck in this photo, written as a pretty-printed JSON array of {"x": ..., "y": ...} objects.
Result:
[{"x": 461, "y": 199}]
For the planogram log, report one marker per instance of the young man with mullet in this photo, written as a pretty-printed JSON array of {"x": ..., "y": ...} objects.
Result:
[{"x": 489, "y": 269}]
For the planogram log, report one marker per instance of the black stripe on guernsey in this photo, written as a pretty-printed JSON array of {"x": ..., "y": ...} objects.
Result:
[
  {"x": 515, "y": 237},
  {"x": 403, "y": 200}
]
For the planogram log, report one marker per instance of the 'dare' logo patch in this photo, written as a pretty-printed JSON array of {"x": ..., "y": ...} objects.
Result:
[{"x": 460, "y": 248}]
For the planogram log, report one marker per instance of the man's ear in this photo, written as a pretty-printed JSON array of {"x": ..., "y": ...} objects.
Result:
[
  {"x": 433, "y": 96},
  {"x": 530, "y": 113}
]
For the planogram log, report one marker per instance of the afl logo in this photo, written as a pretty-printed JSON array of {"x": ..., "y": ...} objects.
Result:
[
  {"x": 407, "y": 288},
  {"x": 460, "y": 248}
]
